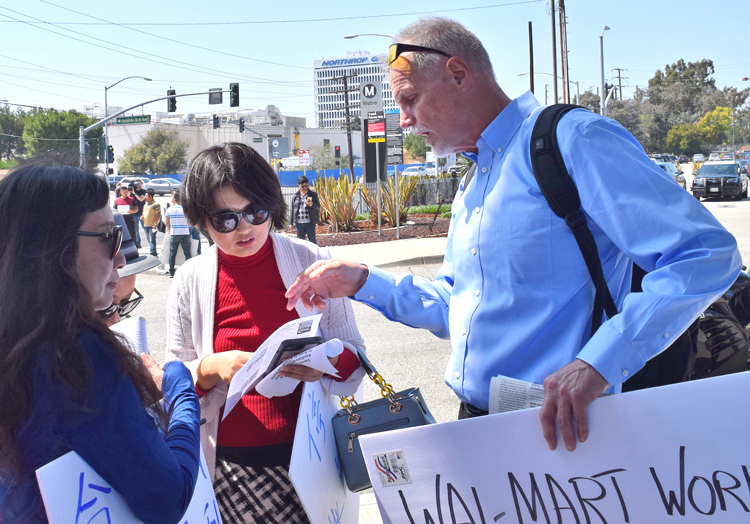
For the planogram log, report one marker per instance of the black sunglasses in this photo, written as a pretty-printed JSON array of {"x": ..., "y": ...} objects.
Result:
[
  {"x": 122, "y": 309},
  {"x": 396, "y": 49},
  {"x": 227, "y": 221},
  {"x": 115, "y": 237}
]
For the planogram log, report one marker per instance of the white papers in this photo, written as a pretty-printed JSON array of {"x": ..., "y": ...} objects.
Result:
[
  {"x": 124, "y": 209},
  {"x": 252, "y": 372},
  {"x": 509, "y": 394},
  {"x": 274, "y": 385},
  {"x": 134, "y": 330}
]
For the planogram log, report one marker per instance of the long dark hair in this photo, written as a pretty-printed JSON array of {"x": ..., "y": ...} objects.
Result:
[
  {"x": 44, "y": 307},
  {"x": 234, "y": 165}
]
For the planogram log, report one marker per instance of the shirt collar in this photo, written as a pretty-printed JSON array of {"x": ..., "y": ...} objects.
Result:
[{"x": 503, "y": 128}]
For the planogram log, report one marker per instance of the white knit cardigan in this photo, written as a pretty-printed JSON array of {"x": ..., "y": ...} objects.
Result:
[{"x": 190, "y": 323}]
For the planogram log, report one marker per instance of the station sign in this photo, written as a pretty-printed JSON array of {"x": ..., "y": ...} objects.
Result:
[
  {"x": 375, "y": 126},
  {"x": 394, "y": 139},
  {"x": 304, "y": 157},
  {"x": 370, "y": 96}
]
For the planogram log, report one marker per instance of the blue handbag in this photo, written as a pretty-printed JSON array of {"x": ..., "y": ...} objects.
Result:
[{"x": 405, "y": 409}]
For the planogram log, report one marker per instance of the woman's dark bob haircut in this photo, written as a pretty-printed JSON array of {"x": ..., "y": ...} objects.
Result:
[{"x": 232, "y": 165}]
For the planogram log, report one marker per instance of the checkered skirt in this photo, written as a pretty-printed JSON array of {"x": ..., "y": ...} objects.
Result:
[{"x": 252, "y": 493}]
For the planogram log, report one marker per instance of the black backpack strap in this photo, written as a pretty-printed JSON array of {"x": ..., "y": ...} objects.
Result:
[{"x": 562, "y": 195}]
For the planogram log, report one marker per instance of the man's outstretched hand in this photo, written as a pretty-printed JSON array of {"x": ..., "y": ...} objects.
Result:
[
  {"x": 567, "y": 395},
  {"x": 326, "y": 279}
]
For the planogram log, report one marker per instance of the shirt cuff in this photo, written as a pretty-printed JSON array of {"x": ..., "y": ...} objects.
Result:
[
  {"x": 377, "y": 289},
  {"x": 611, "y": 355},
  {"x": 202, "y": 393},
  {"x": 347, "y": 364}
]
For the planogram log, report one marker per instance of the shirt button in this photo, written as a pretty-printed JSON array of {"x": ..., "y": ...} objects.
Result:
[
  {"x": 625, "y": 373},
  {"x": 666, "y": 335},
  {"x": 476, "y": 292},
  {"x": 457, "y": 375},
  {"x": 484, "y": 170},
  {"x": 463, "y": 331},
  {"x": 476, "y": 210},
  {"x": 473, "y": 251},
  {"x": 371, "y": 297},
  {"x": 499, "y": 149}
]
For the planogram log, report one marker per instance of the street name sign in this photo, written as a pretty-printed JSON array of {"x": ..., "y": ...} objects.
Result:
[{"x": 140, "y": 119}]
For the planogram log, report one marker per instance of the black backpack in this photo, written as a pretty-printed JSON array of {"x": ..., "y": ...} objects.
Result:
[{"x": 671, "y": 365}]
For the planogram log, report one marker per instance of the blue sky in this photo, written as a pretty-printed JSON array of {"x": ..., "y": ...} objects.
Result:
[{"x": 69, "y": 51}]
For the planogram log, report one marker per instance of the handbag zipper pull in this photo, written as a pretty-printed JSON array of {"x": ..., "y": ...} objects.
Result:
[{"x": 351, "y": 442}]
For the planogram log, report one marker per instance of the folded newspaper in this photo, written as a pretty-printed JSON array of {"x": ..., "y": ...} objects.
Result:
[{"x": 260, "y": 372}]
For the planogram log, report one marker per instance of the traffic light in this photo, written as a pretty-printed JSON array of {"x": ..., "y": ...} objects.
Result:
[
  {"x": 216, "y": 121},
  {"x": 234, "y": 95},
  {"x": 110, "y": 154},
  {"x": 102, "y": 149},
  {"x": 337, "y": 151},
  {"x": 171, "y": 102},
  {"x": 242, "y": 125}
]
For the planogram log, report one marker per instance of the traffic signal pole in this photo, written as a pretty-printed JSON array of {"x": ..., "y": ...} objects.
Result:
[{"x": 84, "y": 130}]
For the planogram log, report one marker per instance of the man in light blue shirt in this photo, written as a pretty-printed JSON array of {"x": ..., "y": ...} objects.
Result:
[{"x": 514, "y": 294}]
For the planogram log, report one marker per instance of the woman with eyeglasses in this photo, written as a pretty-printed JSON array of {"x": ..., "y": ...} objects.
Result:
[
  {"x": 67, "y": 383},
  {"x": 223, "y": 305}
]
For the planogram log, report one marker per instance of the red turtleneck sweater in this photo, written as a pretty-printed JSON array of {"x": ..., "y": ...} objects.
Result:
[{"x": 250, "y": 306}]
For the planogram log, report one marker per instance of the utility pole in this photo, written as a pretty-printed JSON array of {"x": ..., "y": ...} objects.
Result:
[
  {"x": 531, "y": 60},
  {"x": 564, "y": 52},
  {"x": 348, "y": 121},
  {"x": 619, "y": 79},
  {"x": 554, "y": 53}
]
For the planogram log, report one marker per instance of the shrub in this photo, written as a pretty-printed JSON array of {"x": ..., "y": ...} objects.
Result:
[
  {"x": 337, "y": 199},
  {"x": 407, "y": 186}
]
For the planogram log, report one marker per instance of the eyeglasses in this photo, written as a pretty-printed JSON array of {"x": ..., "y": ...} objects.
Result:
[
  {"x": 122, "y": 309},
  {"x": 396, "y": 49},
  {"x": 115, "y": 237},
  {"x": 227, "y": 221}
]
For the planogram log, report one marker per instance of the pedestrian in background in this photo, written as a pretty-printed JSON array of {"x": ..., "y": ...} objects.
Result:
[
  {"x": 150, "y": 218},
  {"x": 125, "y": 204},
  {"x": 179, "y": 231},
  {"x": 139, "y": 199},
  {"x": 305, "y": 211}
]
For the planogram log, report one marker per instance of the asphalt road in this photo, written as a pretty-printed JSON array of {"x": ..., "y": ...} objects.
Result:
[{"x": 404, "y": 356}]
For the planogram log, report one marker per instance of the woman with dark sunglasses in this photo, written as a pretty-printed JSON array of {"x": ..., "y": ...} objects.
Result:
[
  {"x": 223, "y": 305},
  {"x": 67, "y": 383}
]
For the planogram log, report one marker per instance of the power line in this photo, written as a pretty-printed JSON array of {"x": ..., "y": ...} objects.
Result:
[
  {"x": 260, "y": 22},
  {"x": 48, "y": 139},
  {"x": 124, "y": 26}
]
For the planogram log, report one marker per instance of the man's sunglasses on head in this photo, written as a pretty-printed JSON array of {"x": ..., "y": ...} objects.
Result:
[{"x": 396, "y": 49}]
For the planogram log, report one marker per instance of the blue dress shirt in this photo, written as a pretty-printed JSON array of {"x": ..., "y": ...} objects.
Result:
[{"x": 514, "y": 294}]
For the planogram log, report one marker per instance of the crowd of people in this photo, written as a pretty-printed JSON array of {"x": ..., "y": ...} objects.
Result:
[{"x": 513, "y": 296}]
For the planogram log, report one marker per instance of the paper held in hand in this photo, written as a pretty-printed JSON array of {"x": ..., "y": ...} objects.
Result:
[
  {"x": 257, "y": 368},
  {"x": 510, "y": 394}
]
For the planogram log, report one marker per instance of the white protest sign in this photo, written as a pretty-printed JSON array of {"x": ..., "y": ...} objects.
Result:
[
  {"x": 672, "y": 454},
  {"x": 73, "y": 492},
  {"x": 315, "y": 470}
]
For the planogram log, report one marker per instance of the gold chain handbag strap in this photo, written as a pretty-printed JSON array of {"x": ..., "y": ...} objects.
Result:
[{"x": 386, "y": 391}]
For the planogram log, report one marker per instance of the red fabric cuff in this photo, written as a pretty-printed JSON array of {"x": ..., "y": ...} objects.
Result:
[
  {"x": 200, "y": 392},
  {"x": 348, "y": 362}
]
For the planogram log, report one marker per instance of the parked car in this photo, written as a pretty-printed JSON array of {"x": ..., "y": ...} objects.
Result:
[
  {"x": 714, "y": 157},
  {"x": 130, "y": 180},
  {"x": 415, "y": 171},
  {"x": 699, "y": 157},
  {"x": 454, "y": 169},
  {"x": 683, "y": 159},
  {"x": 724, "y": 178},
  {"x": 162, "y": 186},
  {"x": 676, "y": 174},
  {"x": 114, "y": 181}
]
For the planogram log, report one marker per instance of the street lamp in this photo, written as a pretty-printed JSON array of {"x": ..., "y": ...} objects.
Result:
[
  {"x": 578, "y": 95},
  {"x": 349, "y": 37},
  {"x": 601, "y": 60},
  {"x": 106, "y": 127}
]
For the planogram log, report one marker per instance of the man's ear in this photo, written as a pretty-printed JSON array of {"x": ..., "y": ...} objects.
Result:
[{"x": 459, "y": 72}]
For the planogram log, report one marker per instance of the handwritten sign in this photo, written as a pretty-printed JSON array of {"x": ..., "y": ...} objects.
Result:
[
  {"x": 315, "y": 470},
  {"x": 672, "y": 454},
  {"x": 73, "y": 492}
]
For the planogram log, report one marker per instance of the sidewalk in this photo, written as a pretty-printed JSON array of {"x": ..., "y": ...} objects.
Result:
[{"x": 384, "y": 254}]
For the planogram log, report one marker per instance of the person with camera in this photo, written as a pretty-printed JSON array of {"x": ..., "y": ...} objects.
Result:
[{"x": 305, "y": 210}]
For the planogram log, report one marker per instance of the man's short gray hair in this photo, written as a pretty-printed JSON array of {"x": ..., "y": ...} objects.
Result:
[{"x": 451, "y": 37}]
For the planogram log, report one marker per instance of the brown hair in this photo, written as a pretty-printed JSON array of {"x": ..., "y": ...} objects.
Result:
[
  {"x": 240, "y": 167},
  {"x": 44, "y": 307}
]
